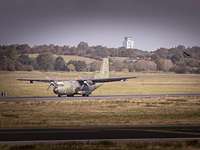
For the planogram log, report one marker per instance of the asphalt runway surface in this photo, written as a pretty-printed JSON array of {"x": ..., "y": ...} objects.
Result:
[
  {"x": 77, "y": 134},
  {"x": 98, "y": 97}
]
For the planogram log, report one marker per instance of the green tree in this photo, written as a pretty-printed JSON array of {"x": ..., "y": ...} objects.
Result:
[
  {"x": 3, "y": 62},
  {"x": 10, "y": 65},
  {"x": 164, "y": 64},
  {"x": 83, "y": 46},
  {"x": 45, "y": 61},
  {"x": 94, "y": 66},
  {"x": 23, "y": 48},
  {"x": 24, "y": 59},
  {"x": 60, "y": 64},
  {"x": 79, "y": 65},
  {"x": 11, "y": 53}
]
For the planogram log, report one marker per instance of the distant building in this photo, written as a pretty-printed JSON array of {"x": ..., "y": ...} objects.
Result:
[{"x": 128, "y": 42}]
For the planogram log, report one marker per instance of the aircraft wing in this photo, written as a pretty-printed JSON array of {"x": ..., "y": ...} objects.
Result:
[
  {"x": 38, "y": 80},
  {"x": 102, "y": 80}
]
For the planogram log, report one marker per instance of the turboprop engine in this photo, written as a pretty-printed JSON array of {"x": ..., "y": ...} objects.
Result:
[{"x": 87, "y": 88}]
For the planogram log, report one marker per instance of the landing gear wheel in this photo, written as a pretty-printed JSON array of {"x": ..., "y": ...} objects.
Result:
[
  {"x": 59, "y": 95},
  {"x": 72, "y": 95},
  {"x": 85, "y": 95}
]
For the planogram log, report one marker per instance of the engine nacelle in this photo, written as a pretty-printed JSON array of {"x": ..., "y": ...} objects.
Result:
[{"x": 88, "y": 83}]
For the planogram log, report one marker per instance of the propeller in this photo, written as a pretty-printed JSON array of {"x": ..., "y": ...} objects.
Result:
[
  {"x": 48, "y": 78},
  {"x": 51, "y": 84}
]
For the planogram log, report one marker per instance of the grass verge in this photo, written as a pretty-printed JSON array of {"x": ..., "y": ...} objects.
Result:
[
  {"x": 81, "y": 113},
  {"x": 109, "y": 145}
]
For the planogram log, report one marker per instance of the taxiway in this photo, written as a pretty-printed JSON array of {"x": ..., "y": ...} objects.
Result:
[{"x": 98, "y": 133}]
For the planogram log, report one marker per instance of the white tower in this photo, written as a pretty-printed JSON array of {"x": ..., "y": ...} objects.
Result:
[{"x": 128, "y": 42}]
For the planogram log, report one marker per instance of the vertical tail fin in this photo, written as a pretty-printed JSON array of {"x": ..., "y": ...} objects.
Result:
[{"x": 104, "y": 71}]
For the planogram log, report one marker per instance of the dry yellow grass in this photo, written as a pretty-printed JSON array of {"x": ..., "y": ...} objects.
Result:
[
  {"x": 79, "y": 113},
  {"x": 145, "y": 83},
  {"x": 181, "y": 110},
  {"x": 69, "y": 57},
  {"x": 110, "y": 145}
]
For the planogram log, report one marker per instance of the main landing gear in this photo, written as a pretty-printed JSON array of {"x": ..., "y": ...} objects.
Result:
[
  {"x": 85, "y": 95},
  {"x": 72, "y": 95}
]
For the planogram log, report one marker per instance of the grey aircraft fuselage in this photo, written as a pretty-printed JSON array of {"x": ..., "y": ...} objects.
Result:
[{"x": 73, "y": 87}]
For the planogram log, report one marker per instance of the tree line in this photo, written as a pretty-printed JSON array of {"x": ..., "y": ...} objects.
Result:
[
  {"x": 10, "y": 60},
  {"x": 82, "y": 49},
  {"x": 178, "y": 59}
]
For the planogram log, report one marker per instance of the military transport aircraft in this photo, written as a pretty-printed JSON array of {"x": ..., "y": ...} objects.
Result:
[{"x": 82, "y": 87}]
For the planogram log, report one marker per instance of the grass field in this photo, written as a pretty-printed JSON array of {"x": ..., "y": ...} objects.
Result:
[
  {"x": 138, "y": 145},
  {"x": 145, "y": 83},
  {"x": 69, "y": 57},
  {"x": 119, "y": 112},
  {"x": 84, "y": 113},
  {"x": 103, "y": 113}
]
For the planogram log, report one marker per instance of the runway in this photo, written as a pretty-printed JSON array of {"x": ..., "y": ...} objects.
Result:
[
  {"x": 98, "y": 97},
  {"x": 34, "y": 135}
]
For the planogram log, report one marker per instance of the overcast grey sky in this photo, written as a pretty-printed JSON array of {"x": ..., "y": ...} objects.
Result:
[{"x": 152, "y": 23}]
